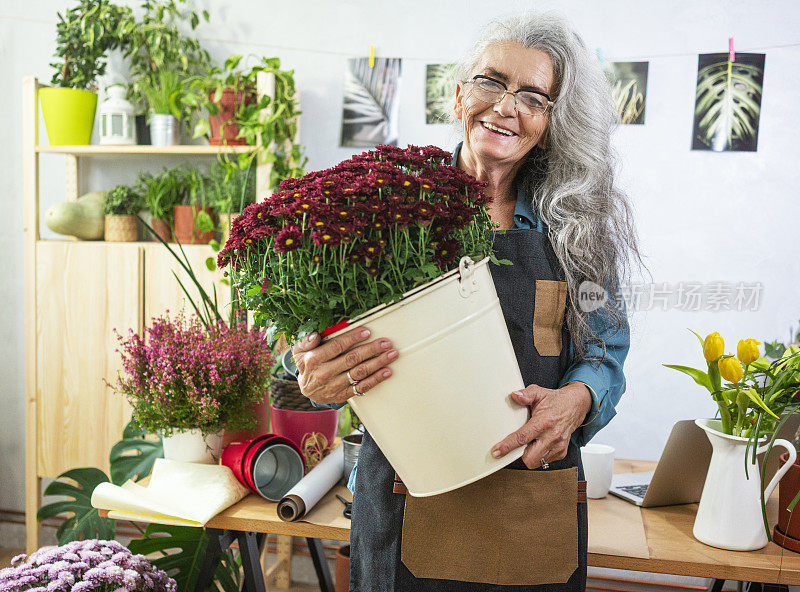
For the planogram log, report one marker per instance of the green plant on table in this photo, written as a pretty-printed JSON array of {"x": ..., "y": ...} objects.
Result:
[
  {"x": 157, "y": 42},
  {"x": 122, "y": 201},
  {"x": 83, "y": 36},
  {"x": 162, "y": 192},
  {"x": 268, "y": 123},
  {"x": 163, "y": 92}
]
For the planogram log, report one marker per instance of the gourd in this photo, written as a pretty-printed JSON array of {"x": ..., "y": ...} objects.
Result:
[{"x": 82, "y": 218}]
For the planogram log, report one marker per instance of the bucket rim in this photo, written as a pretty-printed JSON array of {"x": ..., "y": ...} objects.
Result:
[{"x": 410, "y": 296}]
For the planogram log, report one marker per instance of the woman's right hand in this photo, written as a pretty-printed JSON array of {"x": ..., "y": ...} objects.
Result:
[{"x": 322, "y": 369}]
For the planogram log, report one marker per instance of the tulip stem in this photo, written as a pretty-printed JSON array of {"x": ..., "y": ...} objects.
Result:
[{"x": 741, "y": 403}]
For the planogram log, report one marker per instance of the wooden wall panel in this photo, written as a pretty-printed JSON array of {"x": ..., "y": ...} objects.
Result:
[
  {"x": 162, "y": 291},
  {"x": 84, "y": 290}
]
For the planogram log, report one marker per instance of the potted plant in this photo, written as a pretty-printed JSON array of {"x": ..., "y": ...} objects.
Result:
[
  {"x": 163, "y": 92},
  {"x": 228, "y": 190},
  {"x": 83, "y": 36},
  {"x": 750, "y": 405},
  {"x": 194, "y": 222},
  {"x": 158, "y": 42},
  {"x": 188, "y": 380},
  {"x": 85, "y": 565},
  {"x": 161, "y": 193},
  {"x": 389, "y": 239},
  {"x": 120, "y": 206}
]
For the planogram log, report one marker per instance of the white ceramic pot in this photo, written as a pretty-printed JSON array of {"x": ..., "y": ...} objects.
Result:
[
  {"x": 447, "y": 402},
  {"x": 729, "y": 515},
  {"x": 192, "y": 446}
]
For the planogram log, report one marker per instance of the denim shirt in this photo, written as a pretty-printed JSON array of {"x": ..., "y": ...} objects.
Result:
[{"x": 606, "y": 382}]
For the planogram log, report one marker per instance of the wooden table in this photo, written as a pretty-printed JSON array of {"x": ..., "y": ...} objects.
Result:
[{"x": 673, "y": 549}]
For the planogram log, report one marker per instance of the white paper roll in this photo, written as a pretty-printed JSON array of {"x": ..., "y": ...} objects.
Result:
[{"x": 313, "y": 487}]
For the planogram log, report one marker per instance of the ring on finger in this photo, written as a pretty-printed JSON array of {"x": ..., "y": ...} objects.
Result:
[
  {"x": 545, "y": 464},
  {"x": 350, "y": 378},
  {"x": 355, "y": 391}
]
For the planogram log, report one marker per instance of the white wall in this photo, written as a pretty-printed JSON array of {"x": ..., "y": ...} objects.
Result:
[{"x": 702, "y": 216}]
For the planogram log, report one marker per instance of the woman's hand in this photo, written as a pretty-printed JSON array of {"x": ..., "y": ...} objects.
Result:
[
  {"x": 555, "y": 414},
  {"x": 322, "y": 369}
]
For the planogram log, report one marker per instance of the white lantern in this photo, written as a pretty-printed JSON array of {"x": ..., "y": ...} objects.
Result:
[{"x": 117, "y": 120}]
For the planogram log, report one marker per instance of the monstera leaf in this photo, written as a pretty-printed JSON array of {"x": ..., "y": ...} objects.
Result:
[
  {"x": 370, "y": 103},
  {"x": 628, "y": 99},
  {"x": 440, "y": 92},
  {"x": 85, "y": 522},
  {"x": 182, "y": 549},
  {"x": 133, "y": 456},
  {"x": 728, "y": 103}
]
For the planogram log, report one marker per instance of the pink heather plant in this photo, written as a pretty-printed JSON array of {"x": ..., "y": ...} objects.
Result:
[
  {"x": 84, "y": 566},
  {"x": 182, "y": 376}
]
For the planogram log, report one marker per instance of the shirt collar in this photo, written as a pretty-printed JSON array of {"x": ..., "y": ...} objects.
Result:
[{"x": 524, "y": 217}]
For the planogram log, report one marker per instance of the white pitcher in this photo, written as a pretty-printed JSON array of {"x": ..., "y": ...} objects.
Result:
[{"x": 729, "y": 516}]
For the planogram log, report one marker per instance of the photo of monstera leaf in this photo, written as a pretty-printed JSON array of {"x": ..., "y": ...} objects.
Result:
[
  {"x": 728, "y": 102},
  {"x": 440, "y": 92},
  {"x": 628, "y": 82},
  {"x": 371, "y": 106}
]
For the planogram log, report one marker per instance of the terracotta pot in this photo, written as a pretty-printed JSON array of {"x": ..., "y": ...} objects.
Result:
[
  {"x": 342, "y": 569},
  {"x": 223, "y": 129},
  {"x": 787, "y": 531},
  {"x": 121, "y": 229},
  {"x": 185, "y": 230},
  {"x": 162, "y": 229},
  {"x": 225, "y": 221}
]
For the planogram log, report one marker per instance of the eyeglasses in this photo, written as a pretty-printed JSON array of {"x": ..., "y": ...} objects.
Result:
[{"x": 489, "y": 90}]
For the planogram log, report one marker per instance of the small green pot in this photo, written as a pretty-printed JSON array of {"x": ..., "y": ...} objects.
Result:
[{"x": 68, "y": 115}]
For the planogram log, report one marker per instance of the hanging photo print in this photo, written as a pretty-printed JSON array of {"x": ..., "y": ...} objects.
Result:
[
  {"x": 728, "y": 103},
  {"x": 371, "y": 105},
  {"x": 440, "y": 92},
  {"x": 629, "y": 89}
]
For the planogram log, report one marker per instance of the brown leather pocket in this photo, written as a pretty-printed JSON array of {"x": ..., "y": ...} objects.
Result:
[
  {"x": 514, "y": 527},
  {"x": 550, "y": 301}
]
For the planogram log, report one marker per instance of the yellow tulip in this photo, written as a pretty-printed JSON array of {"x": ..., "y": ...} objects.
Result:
[
  {"x": 713, "y": 346},
  {"x": 747, "y": 351},
  {"x": 730, "y": 368}
]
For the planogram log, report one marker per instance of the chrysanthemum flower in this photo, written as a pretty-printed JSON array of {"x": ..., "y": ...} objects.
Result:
[{"x": 288, "y": 239}]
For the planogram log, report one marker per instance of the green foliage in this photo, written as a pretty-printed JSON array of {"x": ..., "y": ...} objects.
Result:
[
  {"x": 133, "y": 457},
  {"x": 122, "y": 201},
  {"x": 157, "y": 43},
  {"x": 268, "y": 123},
  {"x": 163, "y": 92},
  {"x": 83, "y": 36},
  {"x": 229, "y": 188},
  {"x": 85, "y": 521},
  {"x": 163, "y": 191},
  {"x": 728, "y": 103}
]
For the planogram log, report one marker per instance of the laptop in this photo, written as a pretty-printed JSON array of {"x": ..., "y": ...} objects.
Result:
[{"x": 681, "y": 471}]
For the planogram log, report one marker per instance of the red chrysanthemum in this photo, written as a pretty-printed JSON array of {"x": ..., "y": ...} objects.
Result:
[{"x": 288, "y": 239}]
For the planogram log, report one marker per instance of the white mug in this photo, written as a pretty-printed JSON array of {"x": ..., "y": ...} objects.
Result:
[{"x": 598, "y": 466}]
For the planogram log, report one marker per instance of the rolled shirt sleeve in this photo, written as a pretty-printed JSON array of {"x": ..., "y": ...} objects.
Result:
[{"x": 606, "y": 381}]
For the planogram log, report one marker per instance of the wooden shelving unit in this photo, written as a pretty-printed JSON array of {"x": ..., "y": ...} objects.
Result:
[{"x": 76, "y": 294}]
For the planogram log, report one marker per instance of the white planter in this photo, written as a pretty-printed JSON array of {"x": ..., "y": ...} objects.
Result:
[
  {"x": 191, "y": 446},
  {"x": 447, "y": 402},
  {"x": 729, "y": 515}
]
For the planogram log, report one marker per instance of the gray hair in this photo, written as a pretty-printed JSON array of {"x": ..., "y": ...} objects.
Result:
[{"x": 571, "y": 181}]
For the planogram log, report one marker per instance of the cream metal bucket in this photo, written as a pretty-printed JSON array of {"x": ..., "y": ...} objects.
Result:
[{"x": 446, "y": 404}]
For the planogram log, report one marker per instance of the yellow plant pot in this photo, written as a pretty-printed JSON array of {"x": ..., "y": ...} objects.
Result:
[{"x": 68, "y": 115}]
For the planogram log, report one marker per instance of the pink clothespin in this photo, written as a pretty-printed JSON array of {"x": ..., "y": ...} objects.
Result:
[{"x": 731, "y": 53}]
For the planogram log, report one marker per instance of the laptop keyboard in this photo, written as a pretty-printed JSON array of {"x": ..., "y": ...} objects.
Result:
[{"x": 637, "y": 490}]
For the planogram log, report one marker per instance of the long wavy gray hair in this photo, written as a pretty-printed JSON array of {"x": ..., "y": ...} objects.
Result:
[{"x": 571, "y": 181}]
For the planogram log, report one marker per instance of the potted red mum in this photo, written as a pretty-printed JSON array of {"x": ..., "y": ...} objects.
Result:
[{"x": 390, "y": 239}]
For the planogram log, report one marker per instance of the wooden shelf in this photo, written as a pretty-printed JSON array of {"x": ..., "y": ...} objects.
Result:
[{"x": 97, "y": 150}]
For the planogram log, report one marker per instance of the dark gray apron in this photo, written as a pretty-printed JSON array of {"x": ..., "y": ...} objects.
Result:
[{"x": 377, "y": 518}]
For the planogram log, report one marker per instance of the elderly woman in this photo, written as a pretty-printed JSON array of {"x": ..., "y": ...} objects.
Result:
[{"x": 536, "y": 116}]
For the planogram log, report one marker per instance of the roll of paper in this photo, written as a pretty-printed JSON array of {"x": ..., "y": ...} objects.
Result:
[{"x": 313, "y": 487}]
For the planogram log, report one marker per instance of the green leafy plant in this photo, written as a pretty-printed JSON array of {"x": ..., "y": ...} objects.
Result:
[
  {"x": 163, "y": 191},
  {"x": 133, "y": 457},
  {"x": 163, "y": 92},
  {"x": 157, "y": 43},
  {"x": 268, "y": 123},
  {"x": 728, "y": 103},
  {"x": 122, "y": 201},
  {"x": 228, "y": 188},
  {"x": 83, "y": 36}
]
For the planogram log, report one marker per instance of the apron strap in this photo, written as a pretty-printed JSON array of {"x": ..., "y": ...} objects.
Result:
[{"x": 399, "y": 487}]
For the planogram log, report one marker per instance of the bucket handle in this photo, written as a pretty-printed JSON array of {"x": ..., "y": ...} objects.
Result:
[{"x": 467, "y": 281}]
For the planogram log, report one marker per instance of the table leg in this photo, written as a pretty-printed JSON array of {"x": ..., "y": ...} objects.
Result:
[
  {"x": 251, "y": 564},
  {"x": 759, "y": 587},
  {"x": 716, "y": 586},
  {"x": 218, "y": 540},
  {"x": 320, "y": 564}
]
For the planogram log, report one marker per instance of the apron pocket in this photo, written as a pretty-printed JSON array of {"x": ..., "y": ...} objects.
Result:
[
  {"x": 548, "y": 316},
  {"x": 514, "y": 527}
]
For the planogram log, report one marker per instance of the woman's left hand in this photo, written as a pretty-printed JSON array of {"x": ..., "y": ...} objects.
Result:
[{"x": 555, "y": 414}]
